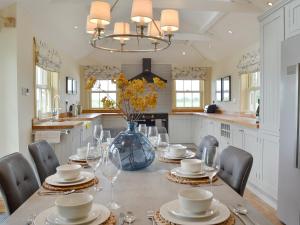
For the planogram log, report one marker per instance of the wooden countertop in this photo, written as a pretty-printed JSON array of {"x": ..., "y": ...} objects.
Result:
[
  {"x": 229, "y": 118},
  {"x": 56, "y": 125},
  {"x": 83, "y": 117}
]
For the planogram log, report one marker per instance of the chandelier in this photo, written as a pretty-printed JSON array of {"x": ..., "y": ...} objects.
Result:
[{"x": 154, "y": 34}]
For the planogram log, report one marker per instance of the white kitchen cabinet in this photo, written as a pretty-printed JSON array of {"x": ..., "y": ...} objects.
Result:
[
  {"x": 181, "y": 128},
  {"x": 197, "y": 127},
  {"x": 270, "y": 163},
  {"x": 272, "y": 34},
  {"x": 237, "y": 137},
  {"x": 292, "y": 18},
  {"x": 252, "y": 145}
]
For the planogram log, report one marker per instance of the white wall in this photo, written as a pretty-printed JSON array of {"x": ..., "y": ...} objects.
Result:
[
  {"x": 8, "y": 88},
  {"x": 227, "y": 67},
  {"x": 25, "y": 66}
]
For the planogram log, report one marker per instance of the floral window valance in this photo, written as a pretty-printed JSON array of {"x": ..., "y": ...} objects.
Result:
[
  {"x": 101, "y": 72},
  {"x": 190, "y": 73},
  {"x": 46, "y": 57},
  {"x": 249, "y": 63}
]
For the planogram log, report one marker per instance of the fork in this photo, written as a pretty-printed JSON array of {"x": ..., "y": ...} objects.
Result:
[
  {"x": 43, "y": 193},
  {"x": 150, "y": 216}
]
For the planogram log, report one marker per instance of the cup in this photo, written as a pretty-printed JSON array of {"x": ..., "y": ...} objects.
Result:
[
  {"x": 177, "y": 152},
  {"x": 69, "y": 171},
  {"x": 194, "y": 201},
  {"x": 81, "y": 152},
  {"x": 74, "y": 206},
  {"x": 192, "y": 165}
]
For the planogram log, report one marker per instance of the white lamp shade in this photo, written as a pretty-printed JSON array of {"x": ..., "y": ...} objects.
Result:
[
  {"x": 155, "y": 30},
  {"x": 100, "y": 13},
  {"x": 90, "y": 27},
  {"x": 122, "y": 28},
  {"x": 141, "y": 11},
  {"x": 169, "y": 20}
]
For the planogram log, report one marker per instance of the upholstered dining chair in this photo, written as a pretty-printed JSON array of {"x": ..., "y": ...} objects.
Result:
[
  {"x": 235, "y": 167},
  {"x": 207, "y": 141},
  {"x": 44, "y": 158},
  {"x": 17, "y": 180}
]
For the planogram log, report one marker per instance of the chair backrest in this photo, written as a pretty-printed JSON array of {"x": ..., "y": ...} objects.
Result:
[
  {"x": 17, "y": 180},
  {"x": 44, "y": 158},
  {"x": 235, "y": 167},
  {"x": 207, "y": 141}
]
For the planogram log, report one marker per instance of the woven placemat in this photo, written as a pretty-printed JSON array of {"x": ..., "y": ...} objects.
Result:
[
  {"x": 110, "y": 221},
  {"x": 161, "y": 221},
  {"x": 69, "y": 188},
  {"x": 83, "y": 163},
  {"x": 190, "y": 181},
  {"x": 165, "y": 160}
]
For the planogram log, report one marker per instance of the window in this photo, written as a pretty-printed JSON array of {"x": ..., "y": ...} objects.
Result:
[
  {"x": 188, "y": 93},
  {"x": 250, "y": 92},
  {"x": 46, "y": 88},
  {"x": 219, "y": 90},
  {"x": 101, "y": 89}
]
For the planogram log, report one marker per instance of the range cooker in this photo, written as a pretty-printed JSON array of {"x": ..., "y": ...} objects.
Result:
[{"x": 154, "y": 119}]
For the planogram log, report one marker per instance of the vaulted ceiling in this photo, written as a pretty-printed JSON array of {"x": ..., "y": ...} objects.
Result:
[{"x": 204, "y": 28}]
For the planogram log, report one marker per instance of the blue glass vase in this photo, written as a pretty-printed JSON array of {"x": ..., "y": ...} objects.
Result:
[{"x": 136, "y": 151}]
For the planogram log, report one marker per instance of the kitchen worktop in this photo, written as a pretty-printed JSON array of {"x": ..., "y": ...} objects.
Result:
[
  {"x": 229, "y": 118},
  {"x": 83, "y": 117},
  {"x": 66, "y": 122},
  {"x": 56, "y": 125}
]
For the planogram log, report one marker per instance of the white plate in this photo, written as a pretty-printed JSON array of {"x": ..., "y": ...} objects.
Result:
[
  {"x": 102, "y": 211},
  {"x": 54, "y": 180},
  {"x": 177, "y": 173},
  {"x": 63, "y": 181},
  {"x": 179, "y": 170},
  {"x": 174, "y": 208},
  {"x": 178, "y": 146},
  {"x": 77, "y": 158},
  {"x": 222, "y": 215},
  {"x": 188, "y": 154}
]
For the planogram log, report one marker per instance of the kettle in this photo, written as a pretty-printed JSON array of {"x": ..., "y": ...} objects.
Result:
[{"x": 73, "y": 110}]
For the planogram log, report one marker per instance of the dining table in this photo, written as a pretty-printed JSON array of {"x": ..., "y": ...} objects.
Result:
[{"x": 138, "y": 192}]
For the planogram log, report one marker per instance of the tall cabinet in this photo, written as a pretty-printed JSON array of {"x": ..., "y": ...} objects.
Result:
[{"x": 277, "y": 24}]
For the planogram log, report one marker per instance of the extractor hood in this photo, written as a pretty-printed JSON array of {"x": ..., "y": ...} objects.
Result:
[{"x": 147, "y": 74}]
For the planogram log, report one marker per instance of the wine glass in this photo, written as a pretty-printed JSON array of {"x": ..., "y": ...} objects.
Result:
[
  {"x": 143, "y": 129},
  {"x": 152, "y": 135},
  {"x": 94, "y": 159},
  {"x": 212, "y": 162},
  {"x": 105, "y": 139},
  {"x": 97, "y": 132},
  {"x": 111, "y": 168},
  {"x": 163, "y": 143}
]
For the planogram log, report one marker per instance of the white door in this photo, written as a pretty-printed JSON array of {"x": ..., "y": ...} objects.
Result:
[{"x": 272, "y": 34}]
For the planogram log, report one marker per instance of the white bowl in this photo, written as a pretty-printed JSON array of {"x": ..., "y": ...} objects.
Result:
[
  {"x": 74, "y": 206},
  {"x": 177, "y": 152},
  {"x": 194, "y": 201},
  {"x": 69, "y": 171},
  {"x": 81, "y": 152},
  {"x": 192, "y": 165}
]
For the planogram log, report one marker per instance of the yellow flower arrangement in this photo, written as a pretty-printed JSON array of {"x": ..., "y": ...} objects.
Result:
[{"x": 135, "y": 96}]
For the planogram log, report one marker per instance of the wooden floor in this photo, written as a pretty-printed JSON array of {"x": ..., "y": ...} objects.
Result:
[
  {"x": 256, "y": 202},
  {"x": 262, "y": 207}
]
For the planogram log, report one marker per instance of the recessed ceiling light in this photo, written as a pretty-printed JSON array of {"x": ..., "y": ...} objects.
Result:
[
  {"x": 230, "y": 32},
  {"x": 183, "y": 53},
  {"x": 111, "y": 51},
  {"x": 75, "y": 27},
  {"x": 270, "y": 4}
]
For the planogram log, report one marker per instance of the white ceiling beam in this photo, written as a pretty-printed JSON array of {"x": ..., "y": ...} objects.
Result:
[
  {"x": 210, "y": 23},
  {"x": 207, "y": 5}
]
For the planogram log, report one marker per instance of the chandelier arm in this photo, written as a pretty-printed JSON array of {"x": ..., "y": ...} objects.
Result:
[
  {"x": 114, "y": 5},
  {"x": 160, "y": 34},
  {"x": 94, "y": 43}
]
